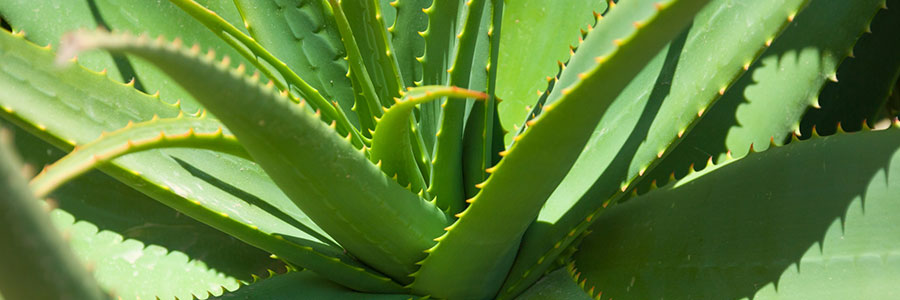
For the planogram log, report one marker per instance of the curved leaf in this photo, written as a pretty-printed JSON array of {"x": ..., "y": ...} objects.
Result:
[
  {"x": 391, "y": 140},
  {"x": 120, "y": 213},
  {"x": 866, "y": 80},
  {"x": 541, "y": 157},
  {"x": 788, "y": 75},
  {"x": 304, "y": 36},
  {"x": 808, "y": 223},
  {"x": 658, "y": 107},
  {"x": 522, "y": 66},
  {"x": 200, "y": 133},
  {"x": 447, "y": 170},
  {"x": 371, "y": 35},
  {"x": 32, "y": 245},
  {"x": 253, "y": 51},
  {"x": 72, "y": 106},
  {"x": 440, "y": 39},
  {"x": 154, "y": 17},
  {"x": 342, "y": 192}
]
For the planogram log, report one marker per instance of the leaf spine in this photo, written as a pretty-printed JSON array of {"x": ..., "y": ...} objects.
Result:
[{"x": 176, "y": 43}]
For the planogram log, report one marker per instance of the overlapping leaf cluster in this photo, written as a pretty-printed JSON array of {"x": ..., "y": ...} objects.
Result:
[{"x": 452, "y": 149}]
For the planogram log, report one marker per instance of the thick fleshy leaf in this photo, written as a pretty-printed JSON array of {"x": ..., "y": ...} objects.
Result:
[
  {"x": 45, "y": 21},
  {"x": 252, "y": 51},
  {"x": 73, "y": 106},
  {"x": 36, "y": 260},
  {"x": 657, "y": 107},
  {"x": 447, "y": 170},
  {"x": 444, "y": 18},
  {"x": 307, "y": 40},
  {"x": 789, "y": 75},
  {"x": 409, "y": 20},
  {"x": 542, "y": 155},
  {"x": 370, "y": 33},
  {"x": 302, "y": 285},
  {"x": 483, "y": 136},
  {"x": 131, "y": 269},
  {"x": 814, "y": 219},
  {"x": 362, "y": 82},
  {"x": 559, "y": 284},
  {"x": 180, "y": 132},
  {"x": 538, "y": 35},
  {"x": 130, "y": 222},
  {"x": 281, "y": 136},
  {"x": 866, "y": 80},
  {"x": 391, "y": 147}
]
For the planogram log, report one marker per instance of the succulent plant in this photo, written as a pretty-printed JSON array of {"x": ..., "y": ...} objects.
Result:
[{"x": 533, "y": 149}]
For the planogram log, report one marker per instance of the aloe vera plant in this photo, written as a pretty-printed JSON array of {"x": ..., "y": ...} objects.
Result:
[{"x": 533, "y": 149}]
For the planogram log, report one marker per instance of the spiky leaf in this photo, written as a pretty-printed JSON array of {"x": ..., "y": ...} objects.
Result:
[
  {"x": 659, "y": 105},
  {"x": 342, "y": 192},
  {"x": 808, "y": 223},
  {"x": 240, "y": 200},
  {"x": 32, "y": 245},
  {"x": 541, "y": 157}
]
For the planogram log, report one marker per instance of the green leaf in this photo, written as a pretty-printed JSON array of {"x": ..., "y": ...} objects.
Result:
[
  {"x": 659, "y": 105},
  {"x": 559, "y": 284},
  {"x": 200, "y": 133},
  {"x": 388, "y": 15},
  {"x": 72, "y": 106},
  {"x": 134, "y": 270},
  {"x": 807, "y": 224},
  {"x": 345, "y": 194},
  {"x": 391, "y": 147},
  {"x": 522, "y": 66},
  {"x": 256, "y": 54},
  {"x": 371, "y": 36},
  {"x": 446, "y": 170},
  {"x": 409, "y": 20},
  {"x": 120, "y": 213},
  {"x": 31, "y": 244},
  {"x": 440, "y": 41},
  {"x": 154, "y": 17},
  {"x": 865, "y": 80},
  {"x": 542, "y": 155},
  {"x": 303, "y": 35},
  {"x": 483, "y": 135},
  {"x": 362, "y": 81},
  {"x": 301, "y": 284},
  {"x": 789, "y": 75}
]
